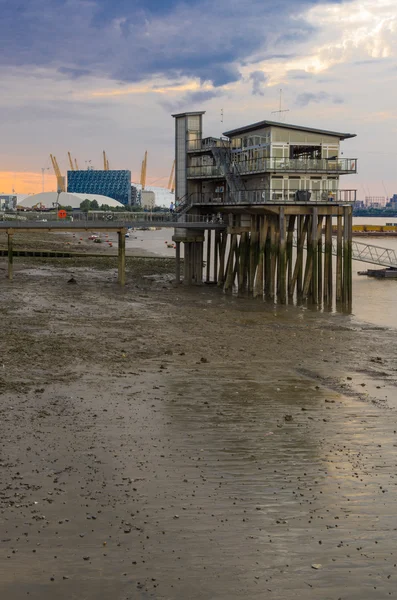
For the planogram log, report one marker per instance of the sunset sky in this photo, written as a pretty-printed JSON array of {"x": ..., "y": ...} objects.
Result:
[{"x": 93, "y": 75}]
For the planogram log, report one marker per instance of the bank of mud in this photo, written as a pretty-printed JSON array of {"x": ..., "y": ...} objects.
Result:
[{"x": 163, "y": 442}]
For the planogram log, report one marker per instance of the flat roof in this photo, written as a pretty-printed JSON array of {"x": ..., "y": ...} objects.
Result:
[
  {"x": 261, "y": 124},
  {"x": 188, "y": 114}
]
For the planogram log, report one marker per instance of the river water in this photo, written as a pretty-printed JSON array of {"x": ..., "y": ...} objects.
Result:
[{"x": 374, "y": 300}]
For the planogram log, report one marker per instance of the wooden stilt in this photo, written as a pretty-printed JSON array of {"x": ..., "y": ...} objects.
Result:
[
  {"x": 301, "y": 236},
  {"x": 216, "y": 254},
  {"x": 320, "y": 260},
  {"x": 222, "y": 252},
  {"x": 347, "y": 255},
  {"x": 298, "y": 268},
  {"x": 290, "y": 242},
  {"x": 339, "y": 258},
  {"x": 208, "y": 265},
  {"x": 314, "y": 282},
  {"x": 273, "y": 259},
  {"x": 258, "y": 285},
  {"x": 241, "y": 262},
  {"x": 178, "y": 262},
  {"x": 307, "y": 280},
  {"x": 282, "y": 258},
  {"x": 10, "y": 235},
  {"x": 230, "y": 263},
  {"x": 121, "y": 257},
  {"x": 253, "y": 254},
  {"x": 328, "y": 261}
]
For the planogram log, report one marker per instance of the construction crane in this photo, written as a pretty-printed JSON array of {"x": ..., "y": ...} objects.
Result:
[
  {"x": 143, "y": 171},
  {"x": 171, "y": 181},
  {"x": 57, "y": 171},
  {"x": 70, "y": 162},
  {"x": 105, "y": 162}
]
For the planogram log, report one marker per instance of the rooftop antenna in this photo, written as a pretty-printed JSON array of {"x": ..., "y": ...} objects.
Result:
[{"x": 280, "y": 110}]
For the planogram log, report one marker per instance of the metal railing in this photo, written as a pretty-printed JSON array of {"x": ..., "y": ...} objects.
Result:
[
  {"x": 271, "y": 197},
  {"x": 375, "y": 255},
  {"x": 103, "y": 220},
  {"x": 284, "y": 165}
]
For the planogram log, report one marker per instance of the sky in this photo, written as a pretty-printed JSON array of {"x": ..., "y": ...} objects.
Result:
[{"x": 91, "y": 75}]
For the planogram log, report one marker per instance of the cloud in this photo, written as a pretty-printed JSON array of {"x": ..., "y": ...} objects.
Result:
[
  {"x": 191, "y": 101},
  {"x": 308, "y": 98},
  {"x": 258, "y": 79},
  {"x": 134, "y": 41}
]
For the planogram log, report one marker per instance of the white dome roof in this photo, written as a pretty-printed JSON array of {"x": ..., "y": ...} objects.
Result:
[{"x": 50, "y": 199}]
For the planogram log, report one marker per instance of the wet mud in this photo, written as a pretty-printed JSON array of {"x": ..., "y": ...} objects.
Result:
[{"x": 175, "y": 443}]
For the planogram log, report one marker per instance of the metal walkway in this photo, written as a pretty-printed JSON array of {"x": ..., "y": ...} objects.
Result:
[{"x": 367, "y": 253}]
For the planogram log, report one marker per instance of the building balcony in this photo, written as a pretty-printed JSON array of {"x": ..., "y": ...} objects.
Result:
[
  {"x": 314, "y": 166},
  {"x": 275, "y": 197}
]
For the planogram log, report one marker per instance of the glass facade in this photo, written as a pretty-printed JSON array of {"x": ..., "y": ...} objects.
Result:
[{"x": 115, "y": 184}]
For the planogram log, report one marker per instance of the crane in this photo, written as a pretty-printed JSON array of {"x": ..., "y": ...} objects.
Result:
[
  {"x": 70, "y": 162},
  {"x": 171, "y": 181},
  {"x": 105, "y": 162},
  {"x": 143, "y": 171},
  {"x": 57, "y": 171}
]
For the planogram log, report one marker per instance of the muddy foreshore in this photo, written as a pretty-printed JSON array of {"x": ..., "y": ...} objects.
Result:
[{"x": 175, "y": 443}]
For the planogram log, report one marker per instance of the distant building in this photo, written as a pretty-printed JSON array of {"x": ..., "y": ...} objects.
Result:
[
  {"x": 114, "y": 184},
  {"x": 8, "y": 202},
  {"x": 375, "y": 201},
  {"x": 52, "y": 200},
  {"x": 135, "y": 196},
  {"x": 148, "y": 200}
]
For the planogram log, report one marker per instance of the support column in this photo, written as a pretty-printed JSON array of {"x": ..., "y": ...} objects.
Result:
[
  {"x": 290, "y": 243},
  {"x": 320, "y": 260},
  {"x": 273, "y": 258},
  {"x": 301, "y": 234},
  {"x": 222, "y": 252},
  {"x": 121, "y": 261},
  {"x": 339, "y": 259},
  {"x": 178, "y": 262},
  {"x": 230, "y": 263},
  {"x": 347, "y": 255},
  {"x": 307, "y": 281},
  {"x": 253, "y": 253},
  {"x": 187, "y": 279},
  {"x": 216, "y": 254},
  {"x": 282, "y": 258},
  {"x": 10, "y": 235},
  {"x": 314, "y": 283},
  {"x": 328, "y": 261},
  {"x": 258, "y": 285},
  {"x": 208, "y": 266}
]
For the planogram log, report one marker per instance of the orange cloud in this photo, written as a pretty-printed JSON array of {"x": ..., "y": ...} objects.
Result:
[{"x": 26, "y": 182}]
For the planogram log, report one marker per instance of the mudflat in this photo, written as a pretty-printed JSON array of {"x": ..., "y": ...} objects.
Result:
[{"x": 174, "y": 443}]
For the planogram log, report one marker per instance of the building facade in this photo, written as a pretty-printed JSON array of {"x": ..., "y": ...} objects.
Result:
[
  {"x": 115, "y": 184},
  {"x": 262, "y": 162}
]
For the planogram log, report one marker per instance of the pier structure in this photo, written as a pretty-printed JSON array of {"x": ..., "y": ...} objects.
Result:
[{"x": 275, "y": 190}]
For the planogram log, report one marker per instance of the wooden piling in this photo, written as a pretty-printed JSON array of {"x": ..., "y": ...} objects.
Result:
[
  {"x": 339, "y": 258},
  {"x": 263, "y": 230},
  {"x": 282, "y": 258},
  {"x": 307, "y": 280},
  {"x": 320, "y": 259},
  {"x": 121, "y": 257},
  {"x": 297, "y": 275},
  {"x": 216, "y": 254},
  {"x": 208, "y": 262},
  {"x": 273, "y": 258},
  {"x": 328, "y": 261},
  {"x": 222, "y": 252},
  {"x": 178, "y": 262},
  {"x": 347, "y": 255},
  {"x": 314, "y": 282},
  {"x": 10, "y": 235},
  {"x": 229, "y": 278},
  {"x": 290, "y": 243}
]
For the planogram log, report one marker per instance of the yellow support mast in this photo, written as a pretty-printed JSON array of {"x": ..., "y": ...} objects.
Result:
[
  {"x": 58, "y": 174},
  {"x": 143, "y": 171},
  {"x": 70, "y": 162},
  {"x": 171, "y": 180},
  {"x": 105, "y": 162},
  {"x": 76, "y": 165}
]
